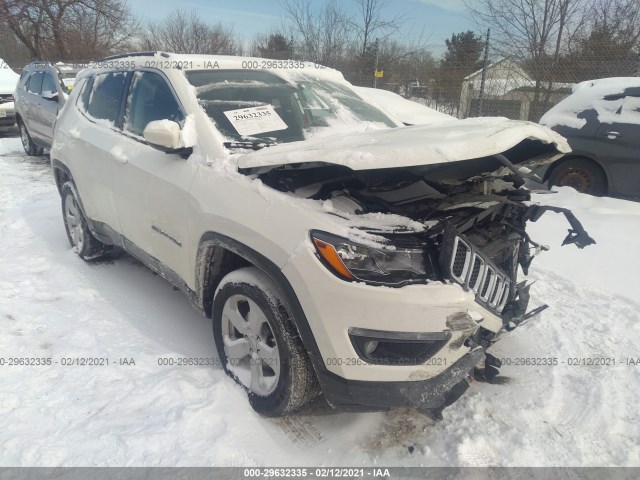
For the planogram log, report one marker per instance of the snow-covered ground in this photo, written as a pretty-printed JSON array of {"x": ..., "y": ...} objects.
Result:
[{"x": 54, "y": 305}]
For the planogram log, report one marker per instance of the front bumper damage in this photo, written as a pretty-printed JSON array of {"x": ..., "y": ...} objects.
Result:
[{"x": 430, "y": 395}]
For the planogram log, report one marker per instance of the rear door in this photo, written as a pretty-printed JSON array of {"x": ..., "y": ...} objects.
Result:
[
  {"x": 96, "y": 133},
  {"x": 33, "y": 89},
  {"x": 48, "y": 106},
  {"x": 151, "y": 187},
  {"x": 620, "y": 139}
]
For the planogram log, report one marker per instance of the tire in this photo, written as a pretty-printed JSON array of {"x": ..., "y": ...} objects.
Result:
[
  {"x": 580, "y": 173},
  {"x": 258, "y": 344},
  {"x": 78, "y": 233},
  {"x": 30, "y": 148}
]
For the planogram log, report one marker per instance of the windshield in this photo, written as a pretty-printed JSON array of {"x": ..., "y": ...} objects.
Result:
[{"x": 260, "y": 107}]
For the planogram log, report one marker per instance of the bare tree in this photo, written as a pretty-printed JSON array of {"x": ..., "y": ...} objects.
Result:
[
  {"x": 529, "y": 29},
  {"x": 536, "y": 32},
  {"x": 62, "y": 29},
  {"x": 372, "y": 24},
  {"x": 184, "y": 32},
  {"x": 609, "y": 43},
  {"x": 619, "y": 17},
  {"x": 319, "y": 35}
]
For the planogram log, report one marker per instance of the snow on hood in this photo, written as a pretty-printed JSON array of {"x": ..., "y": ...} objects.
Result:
[
  {"x": 409, "y": 146},
  {"x": 406, "y": 111},
  {"x": 8, "y": 78}
]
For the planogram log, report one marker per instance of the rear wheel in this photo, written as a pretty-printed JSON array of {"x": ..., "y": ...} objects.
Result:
[
  {"x": 258, "y": 344},
  {"x": 30, "y": 148},
  {"x": 78, "y": 233},
  {"x": 579, "y": 173}
]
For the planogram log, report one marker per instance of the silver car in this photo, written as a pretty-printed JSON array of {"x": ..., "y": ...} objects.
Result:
[{"x": 41, "y": 92}]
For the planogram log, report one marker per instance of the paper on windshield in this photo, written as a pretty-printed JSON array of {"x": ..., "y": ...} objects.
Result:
[{"x": 251, "y": 121}]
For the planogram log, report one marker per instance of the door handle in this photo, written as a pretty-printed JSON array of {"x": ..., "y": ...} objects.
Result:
[{"x": 612, "y": 135}]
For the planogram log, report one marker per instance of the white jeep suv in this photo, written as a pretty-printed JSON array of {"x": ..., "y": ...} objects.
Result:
[{"x": 335, "y": 249}]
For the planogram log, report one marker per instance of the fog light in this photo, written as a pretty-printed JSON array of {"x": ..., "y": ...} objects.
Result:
[
  {"x": 370, "y": 346},
  {"x": 396, "y": 348}
]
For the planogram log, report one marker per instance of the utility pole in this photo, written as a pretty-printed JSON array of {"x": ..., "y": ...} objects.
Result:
[
  {"x": 375, "y": 78},
  {"x": 485, "y": 64}
]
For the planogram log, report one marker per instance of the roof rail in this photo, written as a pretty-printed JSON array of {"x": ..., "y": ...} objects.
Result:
[{"x": 133, "y": 54}]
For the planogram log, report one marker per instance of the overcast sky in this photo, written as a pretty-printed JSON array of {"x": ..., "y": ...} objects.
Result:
[{"x": 435, "y": 20}]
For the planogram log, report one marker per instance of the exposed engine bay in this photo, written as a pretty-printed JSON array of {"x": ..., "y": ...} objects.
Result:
[{"x": 474, "y": 228}]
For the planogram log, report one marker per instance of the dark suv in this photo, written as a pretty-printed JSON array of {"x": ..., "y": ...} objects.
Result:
[
  {"x": 601, "y": 121},
  {"x": 41, "y": 92}
]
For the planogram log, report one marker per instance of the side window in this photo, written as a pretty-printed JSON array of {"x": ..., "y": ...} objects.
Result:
[
  {"x": 631, "y": 110},
  {"x": 85, "y": 93},
  {"x": 150, "y": 99},
  {"x": 49, "y": 84},
  {"x": 105, "y": 96},
  {"x": 35, "y": 83}
]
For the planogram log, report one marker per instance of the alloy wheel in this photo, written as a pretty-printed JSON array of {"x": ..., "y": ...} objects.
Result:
[{"x": 250, "y": 346}]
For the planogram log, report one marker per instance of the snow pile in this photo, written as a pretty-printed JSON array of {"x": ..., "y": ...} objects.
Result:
[
  {"x": 8, "y": 78},
  {"x": 613, "y": 224},
  {"x": 53, "y": 305}
]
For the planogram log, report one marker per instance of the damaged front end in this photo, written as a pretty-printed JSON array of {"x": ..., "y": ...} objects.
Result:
[{"x": 459, "y": 222}]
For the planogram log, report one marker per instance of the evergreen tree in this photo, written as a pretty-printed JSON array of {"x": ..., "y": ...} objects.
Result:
[{"x": 463, "y": 57}]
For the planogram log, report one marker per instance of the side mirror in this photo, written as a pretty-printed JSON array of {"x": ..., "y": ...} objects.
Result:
[
  {"x": 53, "y": 96},
  {"x": 163, "y": 135}
]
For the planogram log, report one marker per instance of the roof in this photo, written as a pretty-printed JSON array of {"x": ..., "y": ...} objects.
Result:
[
  {"x": 175, "y": 61},
  {"x": 494, "y": 65}
]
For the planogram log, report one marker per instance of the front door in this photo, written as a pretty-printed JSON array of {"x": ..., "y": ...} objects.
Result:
[
  {"x": 150, "y": 186},
  {"x": 621, "y": 147}
]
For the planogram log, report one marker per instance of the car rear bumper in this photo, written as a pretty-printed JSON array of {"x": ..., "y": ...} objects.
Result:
[{"x": 8, "y": 120}]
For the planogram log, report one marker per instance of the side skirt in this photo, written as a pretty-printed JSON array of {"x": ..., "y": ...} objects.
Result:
[{"x": 107, "y": 235}]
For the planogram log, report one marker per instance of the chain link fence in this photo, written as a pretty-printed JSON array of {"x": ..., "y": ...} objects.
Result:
[{"x": 488, "y": 84}]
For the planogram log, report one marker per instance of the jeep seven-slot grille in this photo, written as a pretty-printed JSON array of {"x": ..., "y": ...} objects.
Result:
[{"x": 471, "y": 269}]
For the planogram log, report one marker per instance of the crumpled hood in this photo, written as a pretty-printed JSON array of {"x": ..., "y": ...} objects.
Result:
[{"x": 409, "y": 146}]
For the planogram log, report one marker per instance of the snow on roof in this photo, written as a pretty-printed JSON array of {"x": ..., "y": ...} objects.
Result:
[
  {"x": 501, "y": 86},
  {"x": 493, "y": 65},
  {"x": 607, "y": 86},
  {"x": 286, "y": 69},
  {"x": 590, "y": 95}
]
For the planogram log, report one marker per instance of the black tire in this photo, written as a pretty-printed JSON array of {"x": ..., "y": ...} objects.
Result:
[
  {"x": 78, "y": 233},
  {"x": 297, "y": 384},
  {"x": 582, "y": 174},
  {"x": 30, "y": 148}
]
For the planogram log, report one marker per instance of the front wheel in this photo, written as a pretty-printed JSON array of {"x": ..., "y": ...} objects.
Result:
[
  {"x": 258, "y": 344},
  {"x": 582, "y": 174},
  {"x": 30, "y": 148},
  {"x": 78, "y": 233}
]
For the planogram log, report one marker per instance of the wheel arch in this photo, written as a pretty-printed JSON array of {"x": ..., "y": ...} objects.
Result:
[
  {"x": 219, "y": 255},
  {"x": 61, "y": 174}
]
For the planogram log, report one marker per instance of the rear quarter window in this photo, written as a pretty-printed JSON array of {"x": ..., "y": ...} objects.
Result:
[{"x": 101, "y": 97}]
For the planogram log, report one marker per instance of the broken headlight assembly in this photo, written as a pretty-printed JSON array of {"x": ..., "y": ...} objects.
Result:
[{"x": 393, "y": 266}]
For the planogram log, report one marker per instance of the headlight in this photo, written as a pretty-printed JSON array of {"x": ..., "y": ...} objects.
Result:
[{"x": 352, "y": 261}]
